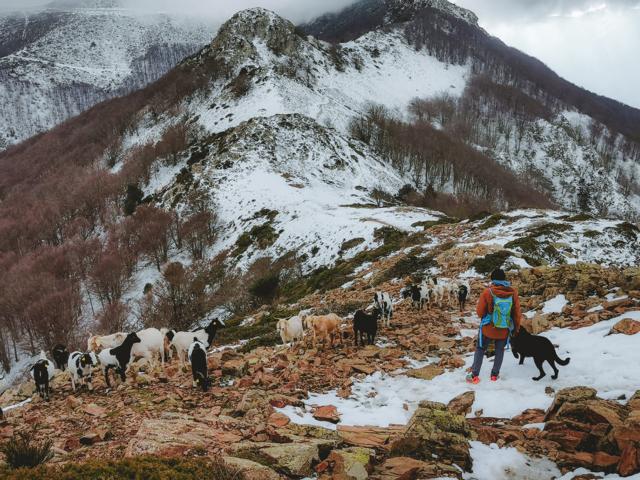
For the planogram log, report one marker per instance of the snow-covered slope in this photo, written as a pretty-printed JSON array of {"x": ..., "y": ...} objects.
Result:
[
  {"x": 293, "y": 185},
  {"x": 58, "y": 62}
]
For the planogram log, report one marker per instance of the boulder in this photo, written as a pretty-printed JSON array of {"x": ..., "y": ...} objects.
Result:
[
  {"x": 174, "y": 434},
  {"x": 352, "y": 463},
  {"x": 572, "y": 394},
  {"x": 251, "y": 470},
  {"x": 435, "y": 432},
  {"x": 407, "y": 468},
  {"x": 278, "y": 420},
  {"x": 426, "y": 373},
  {"x": 370, "y": 437},
  {"x": 461, "y": 405},
  {"x": 294, "y": 459},
  {"x": 626, "y": 326},
  {"x": 236, "y": 367},
  {"x": 327, "y": 413}
]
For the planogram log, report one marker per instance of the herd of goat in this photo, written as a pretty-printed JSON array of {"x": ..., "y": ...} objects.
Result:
[
  {"x": 116, "y": 352},
  {"x": 365, "y": 325}
]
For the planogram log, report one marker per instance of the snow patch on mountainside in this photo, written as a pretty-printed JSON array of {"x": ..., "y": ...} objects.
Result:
[
  {"x": 378, "y": 68},
  {"x": 308, "y": 184},
  {"x": 90, "y": 55}
]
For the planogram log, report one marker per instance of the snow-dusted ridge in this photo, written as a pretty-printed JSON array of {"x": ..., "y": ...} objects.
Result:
[{"x": 60, "y": 61}]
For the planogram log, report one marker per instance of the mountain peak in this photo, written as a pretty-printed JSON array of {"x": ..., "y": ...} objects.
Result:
[
  {"x": 245, "y": 35},
  {"x": 402, "y": 8}
]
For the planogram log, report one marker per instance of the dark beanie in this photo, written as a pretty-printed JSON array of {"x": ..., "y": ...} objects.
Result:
[{"x": 498, "y": 274}]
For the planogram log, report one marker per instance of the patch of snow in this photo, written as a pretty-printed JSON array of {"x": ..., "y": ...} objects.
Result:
[
  {"x": 495, "y": 463},
  {"x": 513, "y": 393},
  {"x": 597, "y": 308},
  {"x": 16, "y": 405},
  {"x": 555, "y": 305}
]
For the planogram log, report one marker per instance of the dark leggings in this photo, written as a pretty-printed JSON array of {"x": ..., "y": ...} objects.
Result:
[{"x": 480, "y": 352}]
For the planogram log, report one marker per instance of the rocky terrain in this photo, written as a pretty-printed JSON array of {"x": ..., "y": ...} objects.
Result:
[{"x": 401, "y": 408}]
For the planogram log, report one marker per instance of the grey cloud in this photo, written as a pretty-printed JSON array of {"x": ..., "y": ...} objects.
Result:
[
  {"x": 530, "y": 10},
  {"x": 217, "y": 10}
]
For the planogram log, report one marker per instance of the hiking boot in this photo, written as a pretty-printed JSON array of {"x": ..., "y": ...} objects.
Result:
[
  {"x": 473, "y": 378},
  {"x": 494, "y": 378}
]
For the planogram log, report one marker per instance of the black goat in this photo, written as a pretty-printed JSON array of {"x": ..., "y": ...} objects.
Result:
[
  {"x": 198, "y": 359},
  {"x": 60, "y": 356},
  {"x": 42, "y": 372},
  {"x": 463, "y": 292},
  {"x": 366, "y": 324}
]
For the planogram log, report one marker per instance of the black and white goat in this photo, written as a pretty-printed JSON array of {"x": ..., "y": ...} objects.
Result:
[
  {"x": 198, "y": 359},
  {"x": 382, "y": 301},
  {"x": 81, "y": 368},
  {"x": 118, "y": 358},
  {"x": 41, "y": 372},
  {"x": 181, "y": 341},
  {"x": 365, "y": 324},
  {"x": 60, "y": 356}
]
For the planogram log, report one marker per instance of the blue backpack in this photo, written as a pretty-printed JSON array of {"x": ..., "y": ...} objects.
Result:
[{"x": 500, "y": 317}]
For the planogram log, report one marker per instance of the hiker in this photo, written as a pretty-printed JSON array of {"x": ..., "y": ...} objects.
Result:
[{"x": 499, "y": 309}]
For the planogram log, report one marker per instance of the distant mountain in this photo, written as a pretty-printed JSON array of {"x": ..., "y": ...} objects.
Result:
[{"x": 57, "y": 62}]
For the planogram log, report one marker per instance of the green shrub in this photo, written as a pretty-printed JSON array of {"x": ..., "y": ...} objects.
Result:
[
  {"x": 389, "y": 235},
  {"x": 432, "y": 223},
  {"x": 133, "y": 198},
  {"x": 581, "y": 217},
  {"x": 349, "y": 244},
  {"x": 492, "y": 221},
  {"x": 409, "y": 265},
  {"x": 265, "y": 288},
  {"x": 628, "y": 230},
  {"x": 147, "y": 468},
  {"x": 21, "y": 451},
  {"x": 263, "y": 236},
  {"x": 487, "y": 264},
  {"x": 549, "y": 229}
]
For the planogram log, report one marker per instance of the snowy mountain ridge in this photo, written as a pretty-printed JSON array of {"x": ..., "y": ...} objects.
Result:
[{"x": 58, "y": 62}]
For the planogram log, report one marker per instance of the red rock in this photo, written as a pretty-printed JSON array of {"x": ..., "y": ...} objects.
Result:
[
  {"x": 327, "y": 413},
  {"x": 626, "y": 326},
  {"x": 278, "y": 420},
  {"x": 629, "y": 461},
  {"x": 89, "y": 439},
  {"x": 373, "y": 437},
  {"x": 71, "y": 444},
  {"x": 604, "y": 461},
  {"x": 462, "y": 404},
  {"x": 95, "y": 410},
  {"x": 277, "y": 403}
]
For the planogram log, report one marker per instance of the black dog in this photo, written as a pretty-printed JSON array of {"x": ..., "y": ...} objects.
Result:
[{"x": 540, "y": 348}]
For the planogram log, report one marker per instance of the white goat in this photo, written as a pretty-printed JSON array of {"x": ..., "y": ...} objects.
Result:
[
  {"x": 290, "y": 329},
  {"x": 181, "y": 341}
]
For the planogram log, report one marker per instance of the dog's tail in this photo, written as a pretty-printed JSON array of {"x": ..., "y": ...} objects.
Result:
[{"x": 562, "y": 362}]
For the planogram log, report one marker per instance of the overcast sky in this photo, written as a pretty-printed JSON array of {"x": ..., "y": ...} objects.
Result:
[{"x": 593, "y": 43}]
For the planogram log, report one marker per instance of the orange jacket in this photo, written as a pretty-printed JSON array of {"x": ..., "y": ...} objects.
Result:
[{"x": 485, "y": 305}]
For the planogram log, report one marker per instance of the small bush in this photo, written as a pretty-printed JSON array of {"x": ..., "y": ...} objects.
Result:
[
  {"x": 409, "y": 265},
  {"x": 148, "y": 468},
  {"x": 265, "y": 288},
  {"x": 432, "y": 223},
  {"x": 21, "y": 451},
  {"x": 487, "y": 264},
  {"x": 133, "y": 198},
  {"x": 581, "y": 217},
  {"x": 550, "y": 229},
  {"x": 349, "y": 244},
  {"x": 492, "y": 221}
]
